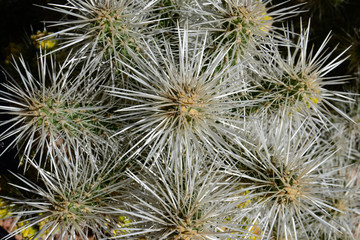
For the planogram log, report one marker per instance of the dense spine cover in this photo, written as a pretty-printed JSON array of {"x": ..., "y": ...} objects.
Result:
[{"x": 168, "y": 119}]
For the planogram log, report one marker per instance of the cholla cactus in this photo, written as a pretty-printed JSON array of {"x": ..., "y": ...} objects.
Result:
[
  {"x": 103, "y": 29},
  {"x": 347, "y": 202},
  {"x": 297, "y": 80},
  {"x": 56, "y": 108},
  {"x": 289, "y": 181},
  {"x": 103, "y": 26},
  {"x": 181, "y": 120},
  {"x": 75, "y": 201},
  {"x": 184, "y": 98},
  {"x": 243, "y": 25},
  {"x": 190, "y": 201}
]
